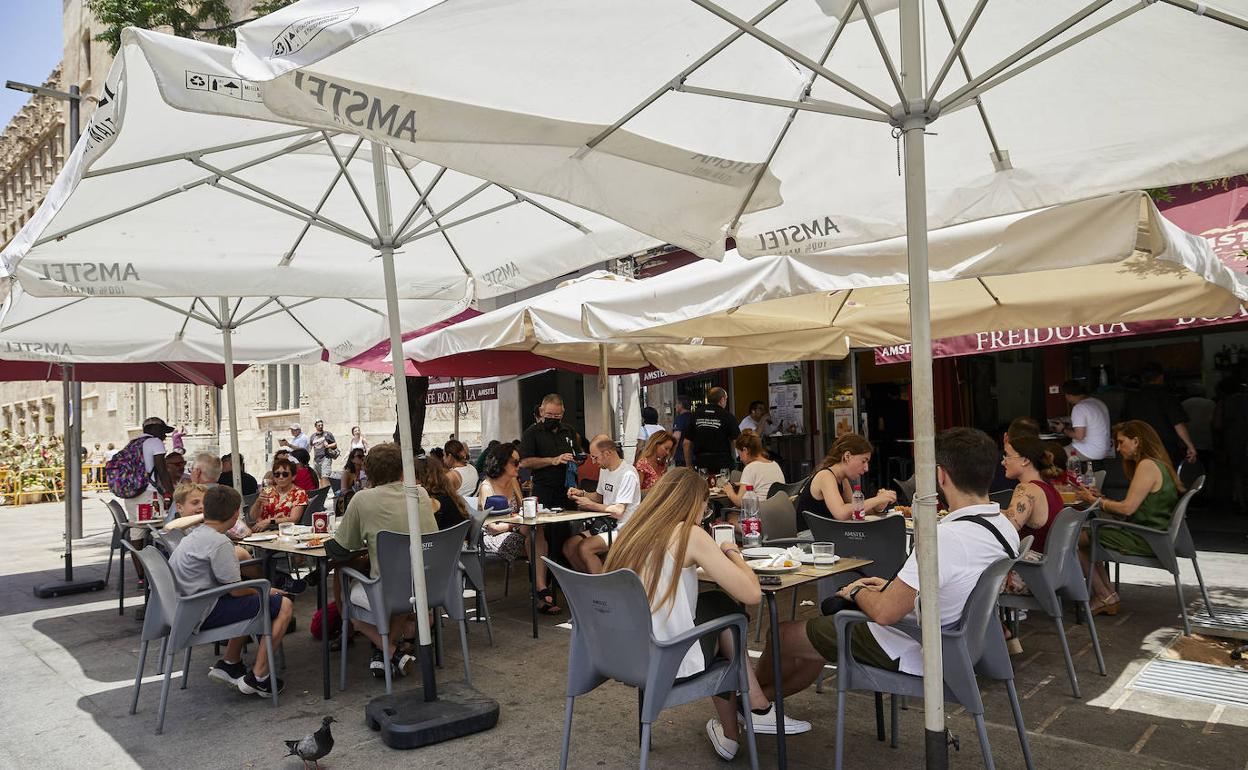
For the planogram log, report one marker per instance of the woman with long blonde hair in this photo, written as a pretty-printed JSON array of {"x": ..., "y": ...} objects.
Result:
[
  {"x": 1150, "y": 501},
  {"x": 652, "y": 462},
  {"x": 665, "y": 546}
]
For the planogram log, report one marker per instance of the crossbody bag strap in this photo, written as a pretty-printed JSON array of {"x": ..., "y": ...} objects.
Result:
[{"x": 979, "y": 519}]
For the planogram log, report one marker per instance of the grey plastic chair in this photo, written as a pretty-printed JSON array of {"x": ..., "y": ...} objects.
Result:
[
  {"x": 778, "y": 518},
  {"x": 905, "y": 490},
  {"x": 883, "y": 541},
  {"x": 1098, "y": 478},
  {"x": 975, "y": 645},
  {"x": 122, "y": 529},
  {"x": 612, "y": 639},
  {"x": 175, "y": 620},
  {"x": 1169, "y": 545},
  {"x": 1056, "y": 578},
  {"x": 1002, "y": 497},
  {"x": 391, "y": 590},
  {"x": 471, "y": 561},
  {"x": 789, "y": 490},
  {"x": 316, "y": 504}
]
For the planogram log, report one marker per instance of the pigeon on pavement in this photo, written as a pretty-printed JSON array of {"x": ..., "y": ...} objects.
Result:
[{"x": 312, "y": 748}]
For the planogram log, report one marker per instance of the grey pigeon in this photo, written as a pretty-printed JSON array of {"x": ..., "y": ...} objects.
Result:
[{"x": 312, "y": 748}]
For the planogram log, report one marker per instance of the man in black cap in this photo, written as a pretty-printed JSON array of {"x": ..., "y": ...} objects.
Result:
[{"x": 151, "y": 446}]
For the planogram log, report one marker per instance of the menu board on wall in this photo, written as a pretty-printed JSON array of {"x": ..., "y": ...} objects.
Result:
[{"x": 784, "y": 391}]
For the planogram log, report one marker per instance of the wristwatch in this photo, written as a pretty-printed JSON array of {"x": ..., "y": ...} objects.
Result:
[{"x": 853, "y": 593}]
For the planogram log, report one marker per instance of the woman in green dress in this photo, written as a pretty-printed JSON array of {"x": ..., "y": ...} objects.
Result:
[{"x": 1150, "y": 502}]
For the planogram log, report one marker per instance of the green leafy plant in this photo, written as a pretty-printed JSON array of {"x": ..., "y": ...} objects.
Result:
[{"x": 200, "y": 19}]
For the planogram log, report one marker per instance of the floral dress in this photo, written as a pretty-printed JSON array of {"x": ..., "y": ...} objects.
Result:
[
  {"x": 649, "y": 472},
  {"x": 283, "y": 504}
]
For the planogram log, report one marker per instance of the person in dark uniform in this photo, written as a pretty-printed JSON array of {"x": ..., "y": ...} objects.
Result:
[
  {"x": 711, "y": 434},
  {"x": 1155, "y": 405},
  {"x": 546, "y": 448}
]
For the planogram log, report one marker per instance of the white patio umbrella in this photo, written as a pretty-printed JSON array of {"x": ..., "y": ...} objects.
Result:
[
  {"x": 186, "y": 185},
  {"x": 783, "y": 124},
  {"x": 1109, "y": 259},
  {"x": 549, "y": 325}
]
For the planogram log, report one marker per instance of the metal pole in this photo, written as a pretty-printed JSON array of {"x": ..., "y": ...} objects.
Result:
[
  {"x": 913, "y": 125},
  {"x": 459, "y": 384},
  {"x": 227, "y": 345},
  {"x": 67, "y": 443},
  {"x": 74, "y": 403},
  {"x": 603, "y": 392},
  {"x": 420, "y": 599}
]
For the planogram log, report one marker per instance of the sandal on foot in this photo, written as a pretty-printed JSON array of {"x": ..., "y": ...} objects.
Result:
[
  {"x": 1106, "y": 606},
  {"x": 546, "y": 603}
]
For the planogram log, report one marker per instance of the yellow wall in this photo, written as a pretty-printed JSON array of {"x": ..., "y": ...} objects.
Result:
[{"x": 749, "y": 383}]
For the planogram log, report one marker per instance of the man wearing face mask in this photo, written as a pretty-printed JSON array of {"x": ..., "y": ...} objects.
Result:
[{"x": 546, "y": 448}]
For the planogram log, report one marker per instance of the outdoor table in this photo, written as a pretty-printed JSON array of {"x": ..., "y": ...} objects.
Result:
[
  {"x": 807, "y": 574},
  {"x": 271, "y": 547},
  {"x": 541, "y": 520}
]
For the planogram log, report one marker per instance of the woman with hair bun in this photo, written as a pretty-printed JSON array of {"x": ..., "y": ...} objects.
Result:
[{"x": 831, "y": 490}]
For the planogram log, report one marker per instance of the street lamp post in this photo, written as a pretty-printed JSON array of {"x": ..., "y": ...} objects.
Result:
[{"x": 71, "y": 389}]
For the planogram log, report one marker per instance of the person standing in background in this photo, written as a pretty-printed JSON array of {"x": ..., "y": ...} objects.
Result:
[
  {"x": 713, "y": 431},
  {"x": 1199, "y": 410},
  {"x": 649, "y": 427},
  {"x": 1155, "y": 405},
  {"x": 297, "y": 440},
  {"x": 680, "y": 427},
  {"x": 324, "y": 449}
]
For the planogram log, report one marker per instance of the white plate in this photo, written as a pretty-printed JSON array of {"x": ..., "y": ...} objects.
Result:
[
  {"x": 758, "y": 567},
  {"x": 809, "y": 558},
  {"x": 761, "y": 552},
  {"x": 259, "y": 538},
  {"x": 304, "y": 545}
]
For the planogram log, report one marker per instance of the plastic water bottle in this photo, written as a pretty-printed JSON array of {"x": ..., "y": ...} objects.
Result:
[
  {"x": 751, "y": 525},
  {"x": 859, "y": 502},
  {"x": 1089, "y": 477}
]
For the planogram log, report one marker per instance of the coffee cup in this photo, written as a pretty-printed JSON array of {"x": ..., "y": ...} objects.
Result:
[{"x": 529, "y": 508}]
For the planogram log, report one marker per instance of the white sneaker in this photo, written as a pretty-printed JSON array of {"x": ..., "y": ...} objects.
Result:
[
  {"x": 765, "y": 724},
  {"x": 724, "y": 746}
]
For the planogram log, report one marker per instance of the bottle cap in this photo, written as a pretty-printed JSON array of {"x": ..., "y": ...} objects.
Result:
[{"x": 749, "y": 487}]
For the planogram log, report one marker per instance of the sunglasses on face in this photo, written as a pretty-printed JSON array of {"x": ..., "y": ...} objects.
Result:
[{"x": 280, "y": 474}]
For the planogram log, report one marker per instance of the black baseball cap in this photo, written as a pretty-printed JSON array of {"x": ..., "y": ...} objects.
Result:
[{"x": 154, "y": 426}]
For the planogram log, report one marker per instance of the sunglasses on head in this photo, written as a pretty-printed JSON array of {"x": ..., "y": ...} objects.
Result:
[{"x": 280, "y": 474}]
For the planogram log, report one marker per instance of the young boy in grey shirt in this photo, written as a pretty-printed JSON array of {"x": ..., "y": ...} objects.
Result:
[{"x": 205, "y": 559}]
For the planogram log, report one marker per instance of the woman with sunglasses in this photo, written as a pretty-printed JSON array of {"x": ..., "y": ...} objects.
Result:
[
  {"x": 282, "y": 503},
  {"x": 502, "y": 479}
]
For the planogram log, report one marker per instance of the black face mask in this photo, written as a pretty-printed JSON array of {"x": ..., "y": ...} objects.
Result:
[{"x": 551, "y": 423}]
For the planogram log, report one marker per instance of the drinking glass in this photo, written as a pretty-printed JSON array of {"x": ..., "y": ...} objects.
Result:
[{"x": 823, "y": 553}]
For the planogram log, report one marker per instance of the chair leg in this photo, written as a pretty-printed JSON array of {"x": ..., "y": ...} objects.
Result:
[
  {"x": 138, "y": 677},
  {"x": 463, "y": 645},
  {"x": 743, "y": 685},
  {"x": 121, "y": 583},
  {"x": 892, "y": 738},
  {"x": 164, "y": 692},
  {"x": 793, "y": 614},
  {"x": 1204, "y": 592},
  {"x": 879, "y": 717},
  {"x": 567, "y": 733},
  {"x": 186, "y": 670},
  {"x": 1178, "y": 590},
  {"x": 840, "y": 729},
  {"x": 1117, "y": 575},
  {"x": 823, "y": 673},
  {"x": 437, "y": 636},
  {"x": 1018, "y": 721},
  {"x": 645, "y": 745},
  {"x": 268, "y": 648},
  {"x": 342, "y": 646},
  {"x": 507, "y": 580},
  {"x": 1070, "y": 663},
  {"x": 164, "y": 648},
  {"x": 1096, "y": 641},
  {"x": 385, "y": 658},
  {"x": 984, "y": 747}
]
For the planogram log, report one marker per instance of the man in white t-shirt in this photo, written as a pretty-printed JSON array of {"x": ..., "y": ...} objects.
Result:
[
  {"x": 619, "y": 493},
  {"x": 758, "y": 420},
  {"x": 1089, "y": 425},
  {"x": 965, "y": 463}
]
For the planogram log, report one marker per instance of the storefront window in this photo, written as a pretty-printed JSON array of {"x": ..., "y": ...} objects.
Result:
[{"x": 838, "y": 398}]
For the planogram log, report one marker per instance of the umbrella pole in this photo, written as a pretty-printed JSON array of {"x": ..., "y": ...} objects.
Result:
[
  {"x": 420, "y": 599},
  {"x": 604, "y": 392},
  {"x": 913, "y": 124},
  {"x": 459, "y": 383},
  {"x": 227, "y": 344}
]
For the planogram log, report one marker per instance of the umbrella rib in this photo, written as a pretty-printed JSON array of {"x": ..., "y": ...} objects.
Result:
[
  {"x": 295, "y": 318},
  {"x": 804, "y": 104},
  {"x": 526, "y": 199},
  {"x": 255, "y": 310},
  {"x": 884, "y": 54},
  {"x": 974, "y": 87},
  {"x": 966, "y": 70},
  {"x": 995, "y": 298},
  {"x": 314, "y": 219},
  {"x": 959, "y": 41},
  {"x": 788, "y": 123},
  {"x": 279, "y": 199},
  {"x": 974, "y": 94},
  {"x": 423, "y": 202},
  {"x": 416, "y": 235},
  {"x": 407, "y": 220},
  {"x": 204, "y": 151},
  {"x": 283, "y": 308},
  {"x": 796, "y": 55},
  {"x": 189, "y": 312},
  {"x": 351, "y": 182},
  {"x": 362, "y": 306},
  {"x": 405, "y": 236},
  {"x": 169, "y": 193},
  {"x": 209, "y": 311},
  {"x": 41, "y": 315},
  {"x": 186, "y": 319},
  {"x": 1212, "y": 13},
  {"x": 837, "y": 314},
  {"x": 289, "y": 256},
  {"x": 686, "y": 72}
]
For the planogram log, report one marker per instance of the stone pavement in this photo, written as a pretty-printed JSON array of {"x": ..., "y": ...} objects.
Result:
[{"x": 69, "y": 664}]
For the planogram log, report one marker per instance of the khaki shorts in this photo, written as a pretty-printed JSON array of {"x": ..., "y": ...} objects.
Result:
[{"x": 821, "y": 632}]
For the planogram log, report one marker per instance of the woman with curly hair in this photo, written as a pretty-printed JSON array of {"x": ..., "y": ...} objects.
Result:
[{"x": 502, "y": 480}]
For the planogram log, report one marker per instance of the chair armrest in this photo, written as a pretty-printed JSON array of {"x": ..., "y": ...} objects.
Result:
[
  {"x": 215, "y": 593},
  {"x": 1157, "y": 539},
  {"x": 683, "y": 642},
  {"x": 785, "y": 542},
  {"x": 359, "y": 577},
  {"x": 258, "y": 561}
]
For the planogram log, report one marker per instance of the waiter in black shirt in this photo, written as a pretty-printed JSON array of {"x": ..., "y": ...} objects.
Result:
[
  {"x": 1155, "y": 405},
  {"x": 546, "y": 448},
  {"x": 712, "y": 431}
]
